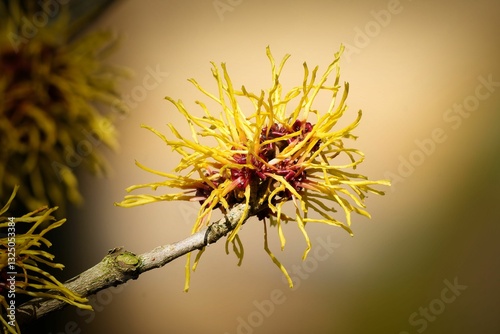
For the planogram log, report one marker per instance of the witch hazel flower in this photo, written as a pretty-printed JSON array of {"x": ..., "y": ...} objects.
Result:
[
  {"x": 24, "y": 261},
  {"x": 282, "y": 151}
]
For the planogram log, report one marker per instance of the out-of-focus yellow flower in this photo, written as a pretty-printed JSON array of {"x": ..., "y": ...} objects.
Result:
[
  {"x": 52, "y": 90},
  {"x": 21, "y": 254},
  {"x": 283, "y": 150}
]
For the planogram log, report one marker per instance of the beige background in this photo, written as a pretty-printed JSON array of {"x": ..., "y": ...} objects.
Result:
[{"x": 439, "y": 222}]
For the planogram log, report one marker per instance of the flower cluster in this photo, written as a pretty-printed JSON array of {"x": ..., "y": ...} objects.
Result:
[
  {"x": 21, "y": 255},
  {"x": 282, "y": 151},
  {"x": 52, "y": 90}
]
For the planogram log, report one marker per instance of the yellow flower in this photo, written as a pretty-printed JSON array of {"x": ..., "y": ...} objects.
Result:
[
  {"x": 282, "y": 151},
  {"x": 52, "y": 90},
  {"x": 20, "y": 256}
]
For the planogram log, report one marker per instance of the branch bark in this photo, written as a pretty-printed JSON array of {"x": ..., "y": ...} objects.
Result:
[{"x": 120, "y": 265}]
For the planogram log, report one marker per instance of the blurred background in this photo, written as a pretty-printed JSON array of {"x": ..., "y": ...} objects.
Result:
[{"x": 427, "y": 77}]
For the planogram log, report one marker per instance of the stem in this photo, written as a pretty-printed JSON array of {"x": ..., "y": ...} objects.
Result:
[{"x": 120, "y": 265}]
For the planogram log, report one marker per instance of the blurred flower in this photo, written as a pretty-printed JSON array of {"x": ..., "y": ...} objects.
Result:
[
  {"x": 50, "y": 89},
  {"x": 20, "y": 257},
  {"x": 272, "y": 154}
]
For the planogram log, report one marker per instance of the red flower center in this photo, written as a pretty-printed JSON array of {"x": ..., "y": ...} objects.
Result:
[{"x": 261, "y": 168}]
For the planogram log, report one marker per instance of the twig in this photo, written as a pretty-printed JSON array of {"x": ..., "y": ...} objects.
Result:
[{"x": 120, "y": 265}]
